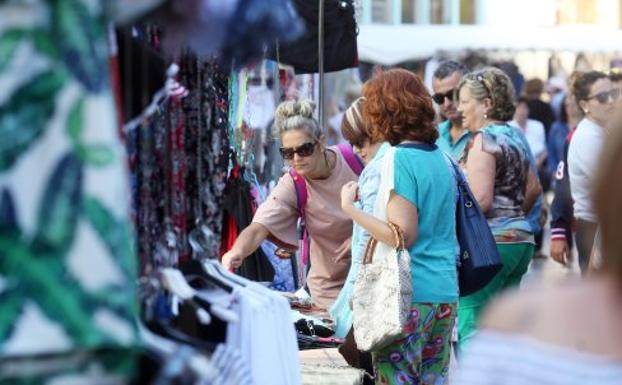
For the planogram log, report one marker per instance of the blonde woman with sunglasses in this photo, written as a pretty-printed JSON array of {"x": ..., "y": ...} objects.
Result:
[
  {"x": 596, "y": 96},
  {"x": 324, "y": 170}
]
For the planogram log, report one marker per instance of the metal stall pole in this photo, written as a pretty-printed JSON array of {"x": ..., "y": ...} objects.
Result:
[{"x": 321, "y": 63}]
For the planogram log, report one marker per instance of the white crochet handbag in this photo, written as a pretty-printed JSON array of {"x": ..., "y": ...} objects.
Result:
[{"x": 382, "y": 295}]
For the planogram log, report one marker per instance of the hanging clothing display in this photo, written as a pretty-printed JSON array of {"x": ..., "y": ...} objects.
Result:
[
  {"x": 179, "y": 159},
  {"x": 340, "y": 32}
]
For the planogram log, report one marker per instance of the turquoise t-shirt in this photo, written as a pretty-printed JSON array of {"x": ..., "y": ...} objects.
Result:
[
  {"x": 423, "y": 177},
  {"x": 444, "y": 141}
]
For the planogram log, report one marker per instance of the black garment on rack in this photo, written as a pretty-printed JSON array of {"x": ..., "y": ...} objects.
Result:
[
  {"x": 237, "y": 203},
  {"x": 143, "y": 71},
  {"x": 340, "y": 31}
]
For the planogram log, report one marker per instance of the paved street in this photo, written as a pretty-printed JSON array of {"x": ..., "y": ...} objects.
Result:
[{"x": 545, "y": 271}]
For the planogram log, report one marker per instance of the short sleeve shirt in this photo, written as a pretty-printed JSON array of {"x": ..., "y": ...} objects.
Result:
[
  {"x": 330, "y": 229},
  {"x": 512, "y": 155},
  {"x": 422, "y": 176}
]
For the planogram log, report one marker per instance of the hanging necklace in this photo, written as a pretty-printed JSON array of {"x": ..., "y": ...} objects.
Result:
[{"x": 325, "y": 174}]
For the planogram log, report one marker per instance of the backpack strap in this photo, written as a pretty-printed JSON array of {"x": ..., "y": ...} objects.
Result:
[
  {"x": 353, "y": 161},
  {"x": 301, "y": 201},
  {"x": 301, "y": 191}
]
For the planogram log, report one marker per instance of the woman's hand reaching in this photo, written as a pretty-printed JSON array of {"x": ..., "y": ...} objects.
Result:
[{"x": 232, "y": 260}]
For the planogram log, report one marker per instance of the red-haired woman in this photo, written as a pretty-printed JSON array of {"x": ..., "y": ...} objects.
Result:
[{"x": 398, "y": 109}]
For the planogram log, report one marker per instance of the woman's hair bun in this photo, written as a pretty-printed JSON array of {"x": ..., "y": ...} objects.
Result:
[
  {"x": 296, "y": 115},
  {"x": 292, "y": 108}
]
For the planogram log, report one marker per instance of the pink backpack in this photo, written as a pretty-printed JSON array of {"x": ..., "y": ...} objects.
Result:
[{"x": 301, "y": 194}]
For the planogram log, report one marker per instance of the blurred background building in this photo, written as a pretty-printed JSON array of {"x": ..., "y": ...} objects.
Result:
[
  {"x": 494, "y": 12},
  {"x": 544, "y": 38}
]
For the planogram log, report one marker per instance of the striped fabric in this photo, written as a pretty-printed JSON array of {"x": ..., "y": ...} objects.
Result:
[
  {"x": 558, "y": 233},
  {"x": 506, "y": 359}
]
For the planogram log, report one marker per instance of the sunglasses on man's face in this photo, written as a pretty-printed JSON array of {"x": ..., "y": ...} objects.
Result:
[
  {"x": 439, "y": 98},
  {"x": 304, "y": 151},
  {"x": 606, "y": 96}
]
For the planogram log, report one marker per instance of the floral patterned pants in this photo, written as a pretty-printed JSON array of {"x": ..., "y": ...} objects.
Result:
[{"x": 421, "y": 354}]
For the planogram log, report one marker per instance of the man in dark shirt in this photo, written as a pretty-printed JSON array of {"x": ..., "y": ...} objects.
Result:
[
  {"x": 538, "y": 110},
  {"x": 542, "y": 112},
  {"x": 562, "y": 213}
]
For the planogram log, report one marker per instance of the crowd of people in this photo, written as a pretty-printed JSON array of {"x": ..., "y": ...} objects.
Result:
[{"x": 511, "y": 148}]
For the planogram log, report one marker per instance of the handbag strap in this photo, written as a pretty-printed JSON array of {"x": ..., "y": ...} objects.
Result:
[
  {"x": 461, "y": 182},
  {"x": 456, "y": 169},
  {"x": 370, "y": 247},
  {"x": 398, "y": 235}
]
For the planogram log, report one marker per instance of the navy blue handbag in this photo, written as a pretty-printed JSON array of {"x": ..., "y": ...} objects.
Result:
[{"x": 479, "y": 259}]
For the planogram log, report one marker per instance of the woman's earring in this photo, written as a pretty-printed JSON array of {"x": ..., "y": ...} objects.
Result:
[
  {"x": 586, "y": 111},
  {"x": 485, "y": 115}
]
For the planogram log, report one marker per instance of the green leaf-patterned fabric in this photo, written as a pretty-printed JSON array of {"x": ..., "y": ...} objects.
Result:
[{"x": 67, "y": 266}]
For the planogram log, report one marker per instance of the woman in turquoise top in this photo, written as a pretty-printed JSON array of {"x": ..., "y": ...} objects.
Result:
[
  {"x": 497, "y": 165},
  {"x": 398, "y": 109},
  {"x": 355, "y": 131}
]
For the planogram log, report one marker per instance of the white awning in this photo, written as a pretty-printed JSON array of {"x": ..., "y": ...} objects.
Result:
[{"x": 392, "y": 44}]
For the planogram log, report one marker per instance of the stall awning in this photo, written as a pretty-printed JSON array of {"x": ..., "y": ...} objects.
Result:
[{"x": 392, "y": 44}]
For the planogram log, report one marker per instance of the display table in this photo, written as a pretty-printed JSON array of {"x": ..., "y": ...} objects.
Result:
[{"x": 327, "y": 367}]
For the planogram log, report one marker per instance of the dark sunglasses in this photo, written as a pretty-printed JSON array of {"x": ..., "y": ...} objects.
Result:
[
  {"x": 439, "y": 98},
  {"x": 605, "y": 96},
  {"x": 304, "y": 151}
]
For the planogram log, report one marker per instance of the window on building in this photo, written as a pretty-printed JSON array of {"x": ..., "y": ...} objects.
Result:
[
  {"x": 576, "y": 12},
  {"x": 467, "y": 11},
  {"x": 436, "y": 12},
  {"x": 380, "y": 11},
  {"x": 409, "y": 11}
]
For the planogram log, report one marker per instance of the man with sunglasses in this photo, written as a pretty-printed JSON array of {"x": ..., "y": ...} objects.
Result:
[{"x": 452, "y": 136}]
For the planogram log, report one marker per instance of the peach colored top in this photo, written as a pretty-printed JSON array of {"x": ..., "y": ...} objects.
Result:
[{"x": 329, "y": 228}]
